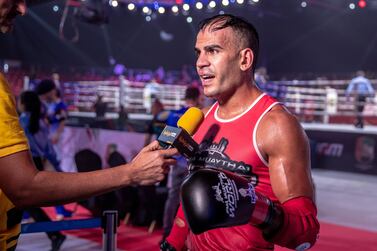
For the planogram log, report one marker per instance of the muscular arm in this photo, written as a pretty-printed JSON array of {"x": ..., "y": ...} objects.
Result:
[
  {"x": 25, "y": 186},
  {"x": 285, "y": 146}
]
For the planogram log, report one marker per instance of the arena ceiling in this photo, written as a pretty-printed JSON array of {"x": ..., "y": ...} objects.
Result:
[{"x": 321, "y": 36}]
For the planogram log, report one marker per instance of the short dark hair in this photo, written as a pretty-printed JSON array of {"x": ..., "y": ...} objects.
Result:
[
  {"x": 45, "y": 86},
  {"x": 32, "y": 105},
  {"x": 245, "y": 31},
  {"x": 192, "y": 93}
]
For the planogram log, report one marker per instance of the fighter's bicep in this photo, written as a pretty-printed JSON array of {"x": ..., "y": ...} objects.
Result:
[{"x": 285, "y": 146}]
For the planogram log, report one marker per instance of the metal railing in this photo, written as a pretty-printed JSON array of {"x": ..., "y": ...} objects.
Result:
[{"x": 108, "y": 223}]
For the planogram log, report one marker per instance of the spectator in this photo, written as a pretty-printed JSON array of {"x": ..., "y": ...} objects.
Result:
[
  {"x": 100, "y": 107},
  {"x": 55, "y": 111},
  {"x": 41, "y": 148},
  {"x": 360, "y": 88},
  {"x": 179, "y": 171}
]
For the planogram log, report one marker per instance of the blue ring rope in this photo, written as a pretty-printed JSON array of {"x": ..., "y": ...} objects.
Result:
[{"x": 50, "y": 226}]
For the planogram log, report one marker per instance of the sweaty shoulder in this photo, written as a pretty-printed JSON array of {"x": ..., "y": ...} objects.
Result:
[
  {"x": 12, "y": 137},
  {"x": 279, "y": 129},
  {"x": 284, "y": 144}
]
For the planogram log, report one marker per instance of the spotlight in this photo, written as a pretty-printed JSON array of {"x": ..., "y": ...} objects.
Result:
[
  {"x": 161, "y": 10},
  {"x": 362, "y": 4},
  {"x": 131, "y": 6},
  {"x": 146, "y": 10},
  {"x": 186, "y": 7},
  {"x": 175, "y": 9},
  {"x": 114, "y": 3},
  {"x": 225, "y": 2},
  {"x": 212, "y": 4}
]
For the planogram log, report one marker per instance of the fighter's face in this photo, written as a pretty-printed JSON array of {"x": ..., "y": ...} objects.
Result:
[
  {"x": 9, "y": 9},
  {"x": 218, "y": 62}
]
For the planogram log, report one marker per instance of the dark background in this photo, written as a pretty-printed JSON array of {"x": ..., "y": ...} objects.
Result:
[{"x": 325, "y": 37}]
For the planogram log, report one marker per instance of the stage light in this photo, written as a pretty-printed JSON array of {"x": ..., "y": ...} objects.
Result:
[
  {"x": 240, "y": 1},
  {"x": 212, "y": 4},
  {"x": 189, "y": 19},
  {"x": 225, "y": 2},
  {"x": 352, "y": 6},
  {"x": 131, "y": 6},
  {"x": 199, "y": 5},
  {"x": 362, "y": 4},
  {"x": 175, "y": 9},
  {"x": 114, "y": 3},
  {"x": 146, "y": 10},
  {"x": 304, "y": 4},
  {"x": 161, "y": 10},
  {"x": 55, "y": 8},
  {"x": 186, "y": 7},
  {"x": 148, "y": 18}
]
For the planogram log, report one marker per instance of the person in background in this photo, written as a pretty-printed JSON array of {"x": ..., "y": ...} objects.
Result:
[
  {"x": 100, "y": 107},
  {"x": 123, "y": 120},
  {"x": 179, "y": 171},
  {"x": 22, "y": 185},
  {"x": 36, "y": 131},
  {"x": 360, "y": 88},
  {"x": 150, "y": 92},
  {"x": 261, "y": 78},
  {"x": 147, "y": 213},
  {"x": 158, "y": 122},
  {"x": 125, "y": 198},
  {"x": 54, "y": 110}
]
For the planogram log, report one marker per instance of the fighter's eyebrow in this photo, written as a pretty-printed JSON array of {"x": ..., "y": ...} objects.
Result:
[
  {"x": 208, "y": 48},
  {"x": 212, "y": 47}
]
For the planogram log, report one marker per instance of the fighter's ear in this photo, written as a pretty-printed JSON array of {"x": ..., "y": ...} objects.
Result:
[{"x": 246, "y": 59}]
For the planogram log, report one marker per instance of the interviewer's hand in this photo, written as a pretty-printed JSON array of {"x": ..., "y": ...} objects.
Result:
[{"x": 151, "y": 164}]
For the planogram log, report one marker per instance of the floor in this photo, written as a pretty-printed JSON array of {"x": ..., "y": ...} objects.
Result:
[{"x": 347, "y": 210}]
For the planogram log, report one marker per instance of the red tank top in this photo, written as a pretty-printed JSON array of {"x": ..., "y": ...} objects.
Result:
[{"x": 231, "y": 145}]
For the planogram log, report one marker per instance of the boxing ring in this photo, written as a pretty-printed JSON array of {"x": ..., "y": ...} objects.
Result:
[
  {"x": 343, "y": 147},
  {"x": 108, "y": 223},
  {"x": 344, "y": 162}
]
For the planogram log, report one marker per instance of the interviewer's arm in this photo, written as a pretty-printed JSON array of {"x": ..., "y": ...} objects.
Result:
[{"x": 25, "y": 186}]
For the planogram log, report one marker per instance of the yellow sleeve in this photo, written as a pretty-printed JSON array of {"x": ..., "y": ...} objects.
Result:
[{"x": 12, "y": 137}]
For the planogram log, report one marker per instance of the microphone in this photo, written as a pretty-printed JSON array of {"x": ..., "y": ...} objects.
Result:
[{"x": 180, "y": 137}]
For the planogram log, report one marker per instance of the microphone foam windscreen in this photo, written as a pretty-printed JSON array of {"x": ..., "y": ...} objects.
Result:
[{"x": 191, "y": 120}]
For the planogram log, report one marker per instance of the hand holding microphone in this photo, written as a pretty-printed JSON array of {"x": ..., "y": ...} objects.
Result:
[
  {"x": 180, "y": 137},
  {"x": 151, "y": 164}
]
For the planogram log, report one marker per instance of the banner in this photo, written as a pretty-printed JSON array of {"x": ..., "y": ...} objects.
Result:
[{"x": 344, "y": 151}]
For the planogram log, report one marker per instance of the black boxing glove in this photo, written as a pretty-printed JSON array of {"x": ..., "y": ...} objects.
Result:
[
  {"x": 213, "y": 198},
  {"x": 165, "y": 246}
]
